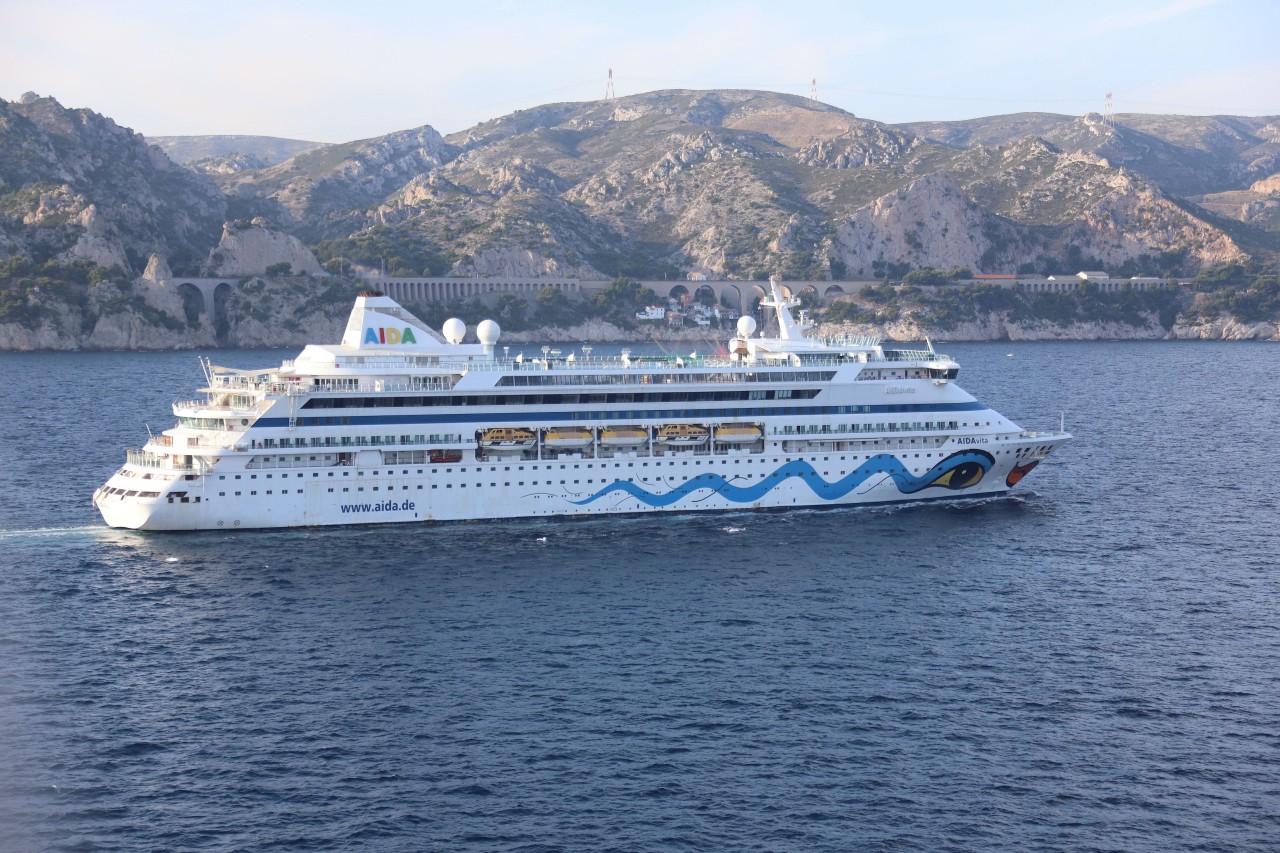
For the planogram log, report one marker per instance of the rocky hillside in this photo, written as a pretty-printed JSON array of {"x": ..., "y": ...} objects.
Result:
[
  {"x": 740, "y": 183},
  {"x": 74, "y": 185},
  {"x": 736, "y": 184},
  {"x": 152, "y": 313},
  {"x": 1183, "y": 155}
]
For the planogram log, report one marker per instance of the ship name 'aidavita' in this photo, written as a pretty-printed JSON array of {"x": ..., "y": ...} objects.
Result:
[{"x": 398, "y": 423}]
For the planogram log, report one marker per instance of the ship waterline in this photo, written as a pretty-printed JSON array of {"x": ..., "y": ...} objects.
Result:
[{"x": 398, "y": 423}]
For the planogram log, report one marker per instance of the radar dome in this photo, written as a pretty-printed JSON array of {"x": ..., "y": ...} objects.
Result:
[
  {"x": 488, "y": 332},
  {"x": 746, "y": 326},
  {"x": 454, "y": 330}
]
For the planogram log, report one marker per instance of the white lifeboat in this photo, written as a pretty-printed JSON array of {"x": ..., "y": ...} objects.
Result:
[
  {"x": 567, "y": 438},
  {"x": 683, "y": 435},
  {"x": 738, "y": 434},
  {"x": 507, "y": 438},
  {"x": 623, "y": 436}
]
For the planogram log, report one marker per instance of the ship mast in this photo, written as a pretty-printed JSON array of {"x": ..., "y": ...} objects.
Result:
[{"x": 789, "y": 329}]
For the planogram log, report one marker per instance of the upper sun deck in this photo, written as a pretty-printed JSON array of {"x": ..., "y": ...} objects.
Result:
[{"x": 385, "y": 343}]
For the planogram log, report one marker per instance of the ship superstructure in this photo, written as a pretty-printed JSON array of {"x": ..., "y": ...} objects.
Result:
[{"x": 398, "y": 423}]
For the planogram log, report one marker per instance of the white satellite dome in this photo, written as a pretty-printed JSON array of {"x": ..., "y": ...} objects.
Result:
[
  {"x": 487, "y": 332},
  {"x": 746, "y": 326},
  {"x": 454, "y": 330}
]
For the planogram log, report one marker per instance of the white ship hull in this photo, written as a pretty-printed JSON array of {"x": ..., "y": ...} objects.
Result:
[
  {"x": 366, "y": 434},
  {"x": 672, "y": 481}
]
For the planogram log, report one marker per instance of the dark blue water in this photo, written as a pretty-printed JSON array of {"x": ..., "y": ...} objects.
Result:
[{"x": 1093, "y": 665}]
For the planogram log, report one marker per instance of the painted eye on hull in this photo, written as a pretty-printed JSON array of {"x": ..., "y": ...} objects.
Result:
[
  {"x": 960, "y": 470},
  {"x": 962, "y": 476}
]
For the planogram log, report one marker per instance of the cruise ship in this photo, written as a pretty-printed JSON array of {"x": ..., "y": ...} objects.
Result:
[{"x": 399, "y": 423}]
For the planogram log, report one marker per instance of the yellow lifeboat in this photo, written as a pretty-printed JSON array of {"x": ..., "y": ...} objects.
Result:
[
  {"x": 507, "y": 438},
  {"x": 683, "y": 435},
  {"x": 623, "y": 436},
  {"x": 567, "y": 438},
  {"x": 738, "y": 434}
]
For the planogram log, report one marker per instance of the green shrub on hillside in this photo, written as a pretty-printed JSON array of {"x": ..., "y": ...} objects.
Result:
[
  {"x": 1256, "y": 302},
  {"x": 29, "y": 290},
  {"x": 404, "y": 254},
  {"x": 948, "y": 307}
]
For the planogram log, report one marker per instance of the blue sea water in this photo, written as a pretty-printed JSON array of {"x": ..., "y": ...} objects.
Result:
[{"x": 1093, "y": 664}]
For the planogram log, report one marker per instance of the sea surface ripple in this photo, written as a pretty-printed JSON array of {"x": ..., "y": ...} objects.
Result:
[{"x": 1093, "y": 664}]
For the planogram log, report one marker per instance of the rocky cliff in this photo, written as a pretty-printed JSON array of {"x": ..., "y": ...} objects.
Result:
[
  {"x": 251, "y": 248},
  {"x": 75, "y": 185},
  {"x": 155, "y": 313},
  {"x": 738, "y": 182},
  {"x": 996, "y": 326}
]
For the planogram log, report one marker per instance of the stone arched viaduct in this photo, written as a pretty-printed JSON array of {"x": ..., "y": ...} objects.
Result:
[{"x": 209, "y": 289}]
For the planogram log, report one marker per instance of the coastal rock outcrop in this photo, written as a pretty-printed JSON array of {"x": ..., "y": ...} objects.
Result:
[
  {"x": 1225, "y": 329},
  {"x": 996, "y": 326},
  {"x": 252, "y": 249},
  {"x": 153, "y": 313}
]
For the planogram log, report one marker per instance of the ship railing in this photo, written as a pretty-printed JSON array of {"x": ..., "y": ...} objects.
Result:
[
  {"x": 223, "y": 381},
  {"x": 216, "y": 440},
  {"x": 207, "y": 404},
  {"x": 194, "y": 408},
  {"x": 314, "y": 443},
  {"x": 397, "y": 364},
  {"x": 367, "y": 386},
  {"x": 666, "y": 364},
  {"x": 818, "y": 442},
  {"x": 257, "y": 383},
  {"x": 850, "y": 341},
  {"x": 1056, "y": 433},
  {"x": 912, "y": 355},
  {"x": 259, "y": 464},
  {"x": 432, "y": 383},
  {"x": 144, "y": 459},
  {"x": 860, "y": 432}
]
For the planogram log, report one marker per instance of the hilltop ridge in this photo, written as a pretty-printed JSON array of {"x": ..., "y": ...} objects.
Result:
[{"x": 730, "y": 184}]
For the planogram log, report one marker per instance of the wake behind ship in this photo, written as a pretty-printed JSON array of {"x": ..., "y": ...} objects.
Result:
[{"x": 400, "y": 424}]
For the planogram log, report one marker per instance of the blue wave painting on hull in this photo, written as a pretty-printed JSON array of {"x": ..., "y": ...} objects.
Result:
[{"x": 958, "y": 471}]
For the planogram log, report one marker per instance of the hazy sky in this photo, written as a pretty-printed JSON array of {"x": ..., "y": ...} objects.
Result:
[{"x": 337, "y": 71}]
